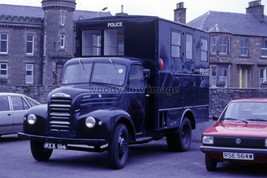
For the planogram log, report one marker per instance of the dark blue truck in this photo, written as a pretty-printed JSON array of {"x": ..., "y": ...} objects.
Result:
[{"x": 135, "y": 79}]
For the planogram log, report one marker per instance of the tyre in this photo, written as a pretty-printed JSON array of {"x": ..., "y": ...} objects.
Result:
[
  {"x": 39, "y": 152},
  {"x": 119, "y": 147},
  {"x": 211, "y": 164},
  {"x": 180, "y": 139}
]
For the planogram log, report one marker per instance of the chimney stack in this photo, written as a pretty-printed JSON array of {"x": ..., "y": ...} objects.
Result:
[
  {"x": 180, "y": 13},
  {"x": 256, "y": 9}
]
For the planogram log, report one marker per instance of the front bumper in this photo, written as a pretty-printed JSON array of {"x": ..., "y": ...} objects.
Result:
[
  {"x": 81, "y": 141},
  {"x": 260, "y": 155}
]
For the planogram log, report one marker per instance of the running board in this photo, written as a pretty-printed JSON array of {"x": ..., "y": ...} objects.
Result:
[{"x": 143, "y": 140}]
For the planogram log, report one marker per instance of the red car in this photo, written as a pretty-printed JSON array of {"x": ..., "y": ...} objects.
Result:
[{"x": 240, "y": 134}]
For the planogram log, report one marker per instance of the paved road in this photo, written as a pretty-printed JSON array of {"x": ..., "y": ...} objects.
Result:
[{"x": 145, "y": 161}]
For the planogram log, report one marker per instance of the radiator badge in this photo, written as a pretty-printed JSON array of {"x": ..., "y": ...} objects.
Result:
[{"x": 61, "y": 95}]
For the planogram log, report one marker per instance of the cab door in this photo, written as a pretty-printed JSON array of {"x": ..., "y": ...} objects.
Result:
[
  {"x": 136, "y": 91},
  {"x": 5, "y": 115}
]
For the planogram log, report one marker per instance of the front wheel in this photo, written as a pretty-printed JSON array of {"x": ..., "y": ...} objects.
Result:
[
  {"x": 39, "y": 152},
  {"x": 180, "y": 139},
  {"x": 119, "y": 147},
  {"x": 211, "y": 164}
]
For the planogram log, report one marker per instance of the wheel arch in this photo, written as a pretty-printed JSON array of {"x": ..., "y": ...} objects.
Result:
[
  {"x": 129, "y": 126},
  {"x": 189, "y": 114}
]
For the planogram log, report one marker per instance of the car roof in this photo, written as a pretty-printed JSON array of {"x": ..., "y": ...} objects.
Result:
[
  {"x": 11, "y": 94},
  {"x": 250, "y": 100}
]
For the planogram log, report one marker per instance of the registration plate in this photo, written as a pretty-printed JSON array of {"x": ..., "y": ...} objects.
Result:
[
  {"x": 238, "y": 156},
  {"x": 53, "y": 146}
]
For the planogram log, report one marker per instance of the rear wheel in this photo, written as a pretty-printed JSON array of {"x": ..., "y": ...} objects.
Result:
[
  {"x": 180, "y": 139},
  {"x": 119, "y": 147},
  {"x": 39, "y": 152},
  {"x": 211, "y": 164}
]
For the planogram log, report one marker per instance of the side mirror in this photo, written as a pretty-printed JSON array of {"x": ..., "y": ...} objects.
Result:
[
  {"x": 146, "y": 74},
  {"x": 215, "y": 118}
]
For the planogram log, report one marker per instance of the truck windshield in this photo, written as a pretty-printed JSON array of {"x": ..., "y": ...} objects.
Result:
[
  {"x": 100, "y": 73},
  {"x": 109, "y": 73},
  {"x": 77, "y": 73}
]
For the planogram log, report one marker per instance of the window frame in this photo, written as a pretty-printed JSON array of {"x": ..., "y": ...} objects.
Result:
[
  {"x": 62, "y": 18},
  {"x": 204, "y": 50},
  {"x": 31, "y": 45},
  {"x": 2, "y": 69},
  {"x": 244, "y": 46},
  {"x": 264, "y": 48},
  {"x": 29, "y": 78},
  {"x": 223, "y": 45},
  {"x": 2, "y": 40},
  {"x": 176, "y": 45},
  {"x": 213, "y": 76},
  {"x": 189, "y": 46},
  {"x": 213, "y": 45},
  {"x": 263, "y": 75},
  {"x": 62, "y": 41},
  {"x": 223, "y": 75}
]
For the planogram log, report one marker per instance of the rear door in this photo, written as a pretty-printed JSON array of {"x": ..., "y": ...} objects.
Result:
[{"x": 5, "y": 116}]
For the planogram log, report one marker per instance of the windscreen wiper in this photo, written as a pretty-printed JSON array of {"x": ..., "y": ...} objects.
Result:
[
  {"x": 110, "y": 60},
  {"x": 80, "y": 62},
  {"x": 257, "y": 119},
  {"x": 235, "y": 119}
]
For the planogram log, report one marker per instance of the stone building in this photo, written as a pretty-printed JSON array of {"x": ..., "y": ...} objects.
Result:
[
  {"x": 238, "y": 46},
  {"x": 35, "y": 42}
]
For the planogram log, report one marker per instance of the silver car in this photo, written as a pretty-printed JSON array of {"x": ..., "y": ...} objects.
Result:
[{"x": 12, "y": 109}]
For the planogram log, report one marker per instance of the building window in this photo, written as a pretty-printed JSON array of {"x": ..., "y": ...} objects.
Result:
[
  {"x": 223, "y": 45},
  {"x": 30, "y": 45},
  {"x": 3, "y": 70},
  {"x": 176, "y": 44},
  {"x": 264, "y": 48},
  {"x": 213, "y": 76},
  {"x": 189, "y": 46},
  {"x": 62, "y": 41},
  {"x": 29, "y": 74},
  {"x": 263, "y": 76},
  {"x": 62, "y": 18},
  {"x": 213, "y": 45},
  {"x": 3, "y": 43},
  {"x": 204, "y": 50},
  {"x": 244, "y": 47},
  {"x": 222, "y": 76}
]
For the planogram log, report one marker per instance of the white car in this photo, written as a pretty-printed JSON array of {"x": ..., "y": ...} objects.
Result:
[{"x": 12, "y": 109}]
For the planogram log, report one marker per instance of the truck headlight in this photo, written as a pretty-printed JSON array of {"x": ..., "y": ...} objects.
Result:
[
  {"x": 31, "y": 119},
  {"x": 207, "y": 139},
  {"x": 90, "y": 122}
]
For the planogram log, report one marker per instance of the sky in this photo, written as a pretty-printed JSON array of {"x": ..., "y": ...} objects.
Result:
[{"x": 160, "y": 8}]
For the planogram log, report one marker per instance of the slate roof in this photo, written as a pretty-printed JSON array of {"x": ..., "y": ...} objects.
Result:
[
  {"x": 31, "y": 11},
  {"x": 233, "y": 23}
]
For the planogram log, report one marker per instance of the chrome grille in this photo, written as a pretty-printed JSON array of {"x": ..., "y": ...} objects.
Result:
[{"x": 60, "y": 108}]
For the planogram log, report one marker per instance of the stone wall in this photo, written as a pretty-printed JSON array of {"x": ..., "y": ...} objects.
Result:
[
  {"x": 37, "y": 92},
  {"x": 219, "y": 97}
]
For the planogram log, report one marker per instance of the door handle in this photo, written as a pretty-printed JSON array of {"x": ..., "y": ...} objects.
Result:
[{"x": 9, "y": 114}]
